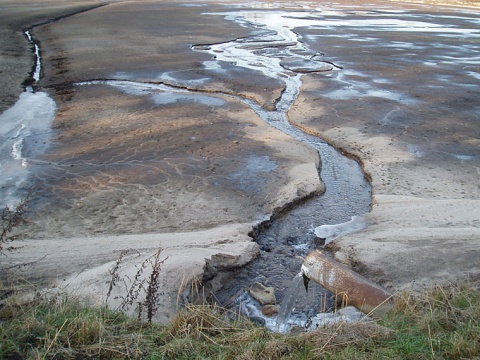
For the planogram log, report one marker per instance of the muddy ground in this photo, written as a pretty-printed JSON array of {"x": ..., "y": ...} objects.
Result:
[
  {"x": 125, "y": 173},
  {"x": 17, "y": 58}
]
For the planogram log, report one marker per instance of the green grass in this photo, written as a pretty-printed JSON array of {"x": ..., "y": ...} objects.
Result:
[{"x": 442, "y": 323}]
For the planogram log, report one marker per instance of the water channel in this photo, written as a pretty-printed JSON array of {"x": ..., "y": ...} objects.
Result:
[
  {"x": 24, "y": 133},
  {"x": 277, "y": 52}
]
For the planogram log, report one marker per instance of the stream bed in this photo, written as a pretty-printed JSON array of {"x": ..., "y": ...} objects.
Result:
[{"x": 277, "y": 52}]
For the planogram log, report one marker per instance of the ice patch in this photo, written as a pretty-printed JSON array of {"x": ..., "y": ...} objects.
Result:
[
  {"x": 25, "y": 126},
  {"x": 331, "y": 232}
]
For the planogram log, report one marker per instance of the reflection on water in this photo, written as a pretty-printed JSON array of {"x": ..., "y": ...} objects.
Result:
[
  {"x": 24, "y": 134},
  {"x": 173, "y": 98}
]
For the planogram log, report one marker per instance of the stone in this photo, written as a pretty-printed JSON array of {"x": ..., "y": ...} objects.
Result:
[
  {"x": 263, "y": 294},
  {"x": 269, "y": 310}
]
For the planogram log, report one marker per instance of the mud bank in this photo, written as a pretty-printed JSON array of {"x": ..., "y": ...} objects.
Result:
[{"x": 82, "y": 266}]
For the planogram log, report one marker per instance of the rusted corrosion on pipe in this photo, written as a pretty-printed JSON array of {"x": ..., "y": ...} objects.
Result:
[{"x": 352, "y": 288}]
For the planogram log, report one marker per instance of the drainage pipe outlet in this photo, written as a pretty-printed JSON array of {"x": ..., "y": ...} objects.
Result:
[{"x": 348, "y": 287}]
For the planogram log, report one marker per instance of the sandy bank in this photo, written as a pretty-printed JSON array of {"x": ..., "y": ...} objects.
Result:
[{"x": 83, "y": 266}]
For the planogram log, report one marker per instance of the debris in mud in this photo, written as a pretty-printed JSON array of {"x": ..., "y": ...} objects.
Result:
[
  {"x": 301, "y": 65},
  {"x": 349, "y": 287},
  {"x": 263, "y": 294},
  {"x": 269, "y": 310}
]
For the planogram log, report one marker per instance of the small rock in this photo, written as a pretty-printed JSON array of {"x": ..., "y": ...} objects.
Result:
[
  {"x": 297, "y": 330},
  {"x": 257, "y": 320},
  {"x": 263, "y": 294},
  {"x": 269, "y": 310},
  {"x": 319, "y": 242}
]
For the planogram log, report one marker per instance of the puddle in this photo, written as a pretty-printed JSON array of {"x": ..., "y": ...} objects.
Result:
[
  {"x": 250, "y": 178},
  {"x": 172, "y": 98},
  {"x": 24, "y": 134},
  {"x": 160, "y": 94},
  {"x": 353, "y": 89}
]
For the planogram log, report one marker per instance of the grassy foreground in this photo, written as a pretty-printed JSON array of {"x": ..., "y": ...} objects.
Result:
[{"x": 442, "y": 323}]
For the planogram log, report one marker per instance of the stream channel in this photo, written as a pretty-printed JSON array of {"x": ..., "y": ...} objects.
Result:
[
  {"x": 276, "y": 51},
  {"x": 24, "y": 133}
]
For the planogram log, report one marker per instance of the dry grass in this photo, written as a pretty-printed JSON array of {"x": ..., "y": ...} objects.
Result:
[
  {"x": 61, "y": 328},
  {"x": 442, "y": 323},
  {"x": 11, "y": 218}
]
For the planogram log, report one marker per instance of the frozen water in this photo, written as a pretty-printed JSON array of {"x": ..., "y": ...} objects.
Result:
[{"x": 331, "y": 232}]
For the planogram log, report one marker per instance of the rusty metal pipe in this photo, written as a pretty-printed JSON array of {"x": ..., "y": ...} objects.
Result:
[{"x": 353, "y": 288}]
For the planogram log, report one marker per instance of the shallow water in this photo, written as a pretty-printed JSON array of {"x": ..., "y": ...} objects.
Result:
[{"x": 24, "y": 134}]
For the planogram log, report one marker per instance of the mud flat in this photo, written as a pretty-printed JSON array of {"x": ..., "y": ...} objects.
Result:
[
  {"x": 192, "y": 173},
  {"x": 128, "y": 171}
]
